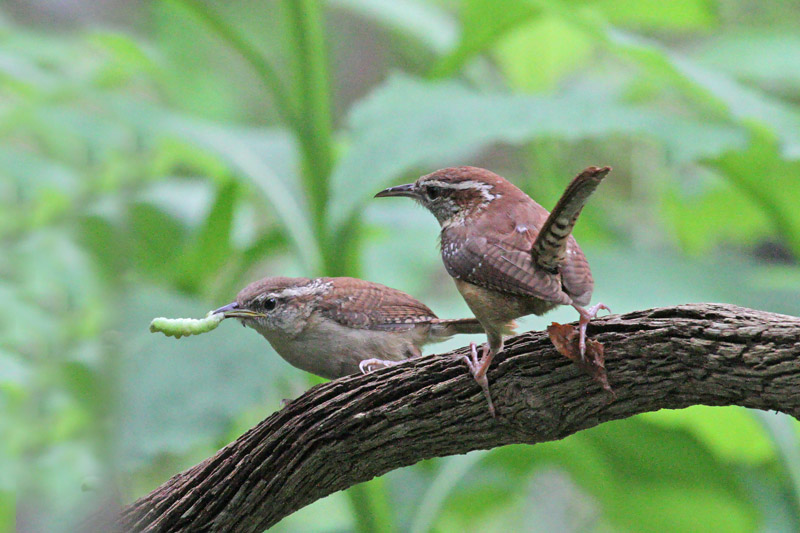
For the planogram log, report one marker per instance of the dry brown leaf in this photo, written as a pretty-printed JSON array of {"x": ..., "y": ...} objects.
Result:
[{"x": 566, "y": 337}]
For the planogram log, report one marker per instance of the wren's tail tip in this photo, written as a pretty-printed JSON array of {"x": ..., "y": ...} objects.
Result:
[
  {"x": 549, "y": 248},
  {"x": 596, "y": 172}
]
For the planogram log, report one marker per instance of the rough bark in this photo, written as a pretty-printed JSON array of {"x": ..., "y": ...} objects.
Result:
[{"x": 352, "y": 429}]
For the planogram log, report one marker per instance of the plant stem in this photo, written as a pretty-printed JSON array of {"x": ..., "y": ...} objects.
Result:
[
  {"x": 284, "y": 105},
  {"x": 314, "y": 131},
  {"x": 314, "y": 125}
]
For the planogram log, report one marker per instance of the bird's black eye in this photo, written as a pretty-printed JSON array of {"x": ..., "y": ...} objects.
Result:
[
  {"x": 432, "y": 192},
  {"x": 270, "y": 303}
]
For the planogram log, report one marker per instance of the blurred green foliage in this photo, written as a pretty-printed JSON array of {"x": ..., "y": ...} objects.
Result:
[{"x": 157, "y": 156}]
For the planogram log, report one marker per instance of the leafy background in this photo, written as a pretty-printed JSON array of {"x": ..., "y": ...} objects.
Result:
[{"x": 156, "y": 156}]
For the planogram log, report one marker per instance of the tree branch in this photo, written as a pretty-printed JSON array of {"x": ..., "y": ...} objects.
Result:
[{"x": 352, "y": 429}]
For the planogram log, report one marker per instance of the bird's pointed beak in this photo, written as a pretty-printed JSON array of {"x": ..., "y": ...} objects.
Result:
[
  {"x": 233, "y": 310},
  {"x": 225, "y": 308},
  {"x": 409, "y": 190}
]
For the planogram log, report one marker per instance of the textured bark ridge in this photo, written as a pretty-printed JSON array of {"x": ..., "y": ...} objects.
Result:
[{"x": 352, "y": 429}]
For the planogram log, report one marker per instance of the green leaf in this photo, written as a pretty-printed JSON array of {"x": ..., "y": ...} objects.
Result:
[
  {"x": 644, "y": 477},
  {"x": 660, "y": 507},
  {"x": 731, "y": 433},
  {"x": 261, "y": 156},
  {"x": 83, "y": 382},
  {"x": 7, "y": 510},
  {"x": 680, "y": 279},
  {"x": 659, "y": 15},
  {"x": 370, "y": 506},
  {"x": 698, "y": 209},
  {"x": 426, "y": 22},
  {"x": 451, "y": 471},
  {"x": 13, "y": 371},
  {"x": 768, "y": 56},
  {"x": 712, "y": 90},
  {"x": 483, "y": 22},
  {"x": 156, "y": 240},
  {"x": 34, "y": 202},
  {"x": 408, "y": 123},
  {"x": 106, "y": 242},
  {"x": 740, "y": 102},
  {"x": 652, "y": 479},
  {"x": 212, "y": 247},
  {"x": 267, "y": 158},
  {"x": 769, "y": 180},
  {"x": 536, "y": 55},
  {"x": 129, "y": 57}
]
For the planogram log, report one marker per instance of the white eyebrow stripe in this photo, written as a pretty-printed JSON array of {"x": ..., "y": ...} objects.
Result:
[
  {"x": 484, "y": 188},
  {"x": 315, "y": 287},
  {"x": 467, "y": 184}
]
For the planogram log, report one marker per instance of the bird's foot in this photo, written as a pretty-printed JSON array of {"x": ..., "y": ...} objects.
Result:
[
  {"x": 478, "y": 367},
  {"x": 586, "y": 316},
  {"x": 370, "y": 365}
]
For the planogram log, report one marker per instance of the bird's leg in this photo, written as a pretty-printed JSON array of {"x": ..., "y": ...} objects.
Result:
[
  {"x": 586, "y": 316},
  {"x": 370, "y": 365},
  {"x": 478, "y": 367}
]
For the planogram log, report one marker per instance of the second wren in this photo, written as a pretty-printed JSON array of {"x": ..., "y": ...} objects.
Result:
[
  {"x": 333, "y": 327},
  {"x": 508, "y": 256}
]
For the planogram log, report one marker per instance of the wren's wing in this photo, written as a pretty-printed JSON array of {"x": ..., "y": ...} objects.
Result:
[
  {"x": 362, "y": 304},
  {"x": 576, "y": 276},
  {"x": 500, "y": 260}
]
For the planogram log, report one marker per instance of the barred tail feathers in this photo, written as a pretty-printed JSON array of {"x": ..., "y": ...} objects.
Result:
[{"x": 550, "y": 246}]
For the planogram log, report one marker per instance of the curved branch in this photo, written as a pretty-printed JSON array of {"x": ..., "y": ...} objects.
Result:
[{"x": 352, "y": 429}]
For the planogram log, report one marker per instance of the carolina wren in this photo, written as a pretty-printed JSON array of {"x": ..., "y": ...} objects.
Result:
[
  {"x": 508, "y": 256},
  {"x": 333, "y": 327}
]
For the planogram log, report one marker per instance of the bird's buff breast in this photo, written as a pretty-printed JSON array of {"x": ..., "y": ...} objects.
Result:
[
  {"x": 328, "y": 349},
  {"x": 496, "y": 309}
]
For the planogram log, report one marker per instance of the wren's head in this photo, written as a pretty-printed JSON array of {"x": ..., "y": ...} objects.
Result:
[
  {"x": 277, "y": 305},
  {"x": 452, "y": 194}
]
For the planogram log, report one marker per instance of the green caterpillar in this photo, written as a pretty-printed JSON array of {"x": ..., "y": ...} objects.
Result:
[{"x": 180, "y": 327}]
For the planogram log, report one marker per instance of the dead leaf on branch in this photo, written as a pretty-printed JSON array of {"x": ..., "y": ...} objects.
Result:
[{"x": 566, "y": 340}]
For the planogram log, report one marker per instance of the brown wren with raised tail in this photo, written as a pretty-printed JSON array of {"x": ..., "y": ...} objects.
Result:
[
  {"x": 333, "y": 327},
  {"x": 508, "y": 256}
]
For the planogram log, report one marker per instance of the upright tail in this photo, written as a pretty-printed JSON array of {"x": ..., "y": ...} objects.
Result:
[
  {"x": 550, "y": 245},
  {"x": 445, "y": 328}
]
